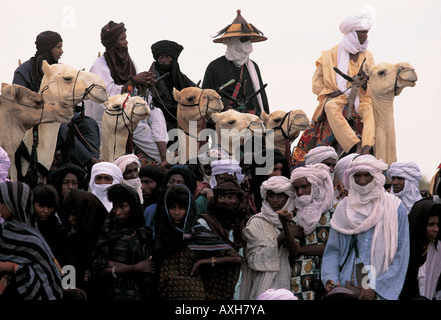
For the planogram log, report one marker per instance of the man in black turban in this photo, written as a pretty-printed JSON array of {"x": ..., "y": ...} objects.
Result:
[
  {"x": 166, "y": 54},
  {"x": 49, "y": 46}
]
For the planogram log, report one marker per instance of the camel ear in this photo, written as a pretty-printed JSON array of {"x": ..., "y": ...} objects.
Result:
[
  {"x": 264, "y": 116},
  {"x": 176, "y": 94},
  {"x": 215, "y": 117},
  {"x": 10, "y": 91},
  {"x": 367, "y": 68},
  {"x": 45, "y": 67}
]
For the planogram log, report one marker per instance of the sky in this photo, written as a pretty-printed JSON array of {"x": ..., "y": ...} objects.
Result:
[{"x": 297, "y": 31}]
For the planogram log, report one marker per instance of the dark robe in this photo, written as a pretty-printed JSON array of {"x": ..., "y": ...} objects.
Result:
[{"x": 220, "y": 71}]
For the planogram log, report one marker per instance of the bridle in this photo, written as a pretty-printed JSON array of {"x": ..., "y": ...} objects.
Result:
[{"x": 401, "y": 68}]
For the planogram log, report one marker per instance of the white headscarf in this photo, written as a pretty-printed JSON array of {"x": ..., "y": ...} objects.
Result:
[
  {"x": 342, "y": 165},
  {"x": 100, "y": 190},
  {"x": 370, "y": 206},
  {"x": 410, "y": 171},
  {"x": 319, "y": 154},
  {"x": 277, "y": 184},
  {"x": 311, "y": 207},
  {"x": 122, "y": 162},
  {"x": 230, "y": 166},
  {"x": 238, "y": 52},
  {"x": 350, "y": 44}
]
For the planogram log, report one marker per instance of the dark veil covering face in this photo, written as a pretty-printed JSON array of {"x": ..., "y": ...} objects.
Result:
[
  {"x": 117, "y": 58},
  {"x": 22, "y": 244},
  {"x": 45, "y": 42},
  {"x": 171, "y": 238}
]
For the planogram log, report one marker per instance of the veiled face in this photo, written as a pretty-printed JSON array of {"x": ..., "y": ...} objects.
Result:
[
  {"x": 302, "y": 187},
  {"x": 276, "y": 200},
  {"x": 432, "y": 228},
  {"x": 57, "y": 51},
  {"x": 362, "y": 36},
  {"x": 122, "y": 40},
  {"x": 363, "y": 178},
  {"x": 398, "y": 184}
]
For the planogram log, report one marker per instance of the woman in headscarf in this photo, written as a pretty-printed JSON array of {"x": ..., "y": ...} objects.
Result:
[
  {"x": 30, "y": 73},
  {"x": 178, "y": 174},
  {"x": 86, "y": 218},
  {"x": 269, "y": 241},
  {"x": 227, "y": 217},
  {"x": 102, "y": 176},
  {"x": 130, "y": 166},
  {"x": 122, "y": 256},
  {"x": 314, "y": 193},
  {"x": 424, "y": 222},
  {"x": 186, "y": 253},
  {"x": 28, "y": 269}
]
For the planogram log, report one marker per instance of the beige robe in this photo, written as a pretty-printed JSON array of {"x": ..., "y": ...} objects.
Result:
[
  {"x": 266, "y": 264},
  {"x": 324, "y": 83}
]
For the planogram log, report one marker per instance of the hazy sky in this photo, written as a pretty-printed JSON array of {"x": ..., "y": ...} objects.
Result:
[{"x": 297, "y": 31}]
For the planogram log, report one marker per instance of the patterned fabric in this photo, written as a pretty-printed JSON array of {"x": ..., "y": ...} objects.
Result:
[
  {"x": 305, "y": 281},
  {"x": 144, "y": 158},
  {"x": 320, "y": 134},
  {"x": 175, "y": 282}
]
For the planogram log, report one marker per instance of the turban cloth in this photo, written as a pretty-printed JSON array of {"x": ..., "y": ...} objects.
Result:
[
  {"x": 356, "y": 22},
  {"x": 319, "y": 154},
  {"x": 319, "y": 201},
  {"x": 156, "y": 173},
  {"x": 342, "y": 165},
  {"x": 110, "y": 33},
  {"x": 46, "y": 41},
  {"x": 123, "y": 161},
  {"x": 171, "y": 48},
  {"x": 277, "y": 294},
  {"x": 410, "y": 171},
  {"x": 230, "y": 166},
  {"x": 277, "y": 184}
]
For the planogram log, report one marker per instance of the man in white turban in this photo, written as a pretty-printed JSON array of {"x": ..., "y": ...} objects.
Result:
[
  {"x": 370, "y": 230},
  {"x": 405, "y": 177},
  {"x": 130, "y": 165},
  {"x": 332, "y": 89},
  {"x": 102, "y": 176},
  {"x": 225, "y": 166},
  {"x": 314, "y": 192},
  {"x": 269, "y": 241}
]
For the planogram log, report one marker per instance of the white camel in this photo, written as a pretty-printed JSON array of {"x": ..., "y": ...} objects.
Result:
[
  {"x": 73, "y": 86},
  {"x": 123, "y": 113},
  {"x": 386, "y": 81},
  {"x": 21, "y": 109}
]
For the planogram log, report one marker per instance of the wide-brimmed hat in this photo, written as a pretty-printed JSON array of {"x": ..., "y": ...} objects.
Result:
[{"x": 240, "y": 28}]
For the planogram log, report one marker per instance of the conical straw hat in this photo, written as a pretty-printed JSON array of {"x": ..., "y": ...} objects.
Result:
[{"x": 240, "y": 28}]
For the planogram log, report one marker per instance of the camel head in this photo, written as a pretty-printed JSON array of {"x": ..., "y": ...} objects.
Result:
[
  {"x": 33, "y": 108},
  {"x": 290, "y": 123},
  {"x": 134, "y": 108},
  {"x": 195, "y": 103},
  {"x": 387, "y": 78},
  {"x": 73, "y": 85},
  {"x": 228, "y": 122}
]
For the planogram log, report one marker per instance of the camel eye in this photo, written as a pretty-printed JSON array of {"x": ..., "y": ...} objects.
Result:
[
  {"x": 382, "y": 73},
  {"x": 231, "y": 121},
  {"x": 67, "y": 78},
  {"x": 277, "y": 120},
  {"x": 190, "y": 99}
]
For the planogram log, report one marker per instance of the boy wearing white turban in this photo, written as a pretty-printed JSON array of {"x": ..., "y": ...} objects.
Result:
[
  {"x": 371, "y": 224},
  {"x": 269, "y": 241},
  {"x": 405, "y": 177},
  {"x": 331, "y": 88},
  {"x": 130, "y": 166},
  {"x": 314, "y": 192},
  {"x": 102, "y": 176}
]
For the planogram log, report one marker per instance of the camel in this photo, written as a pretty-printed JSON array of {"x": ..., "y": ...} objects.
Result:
[
  {"x": 194, "y": 104},
  {"x": 123, "y": 113},
  {"x": 73, "y": 86},
  {"x": 21, "y": 109},
  {"x": 286, "y": 126},
  {"x": 234, "y": 129},
  {"x": 386, "y": 81}
]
